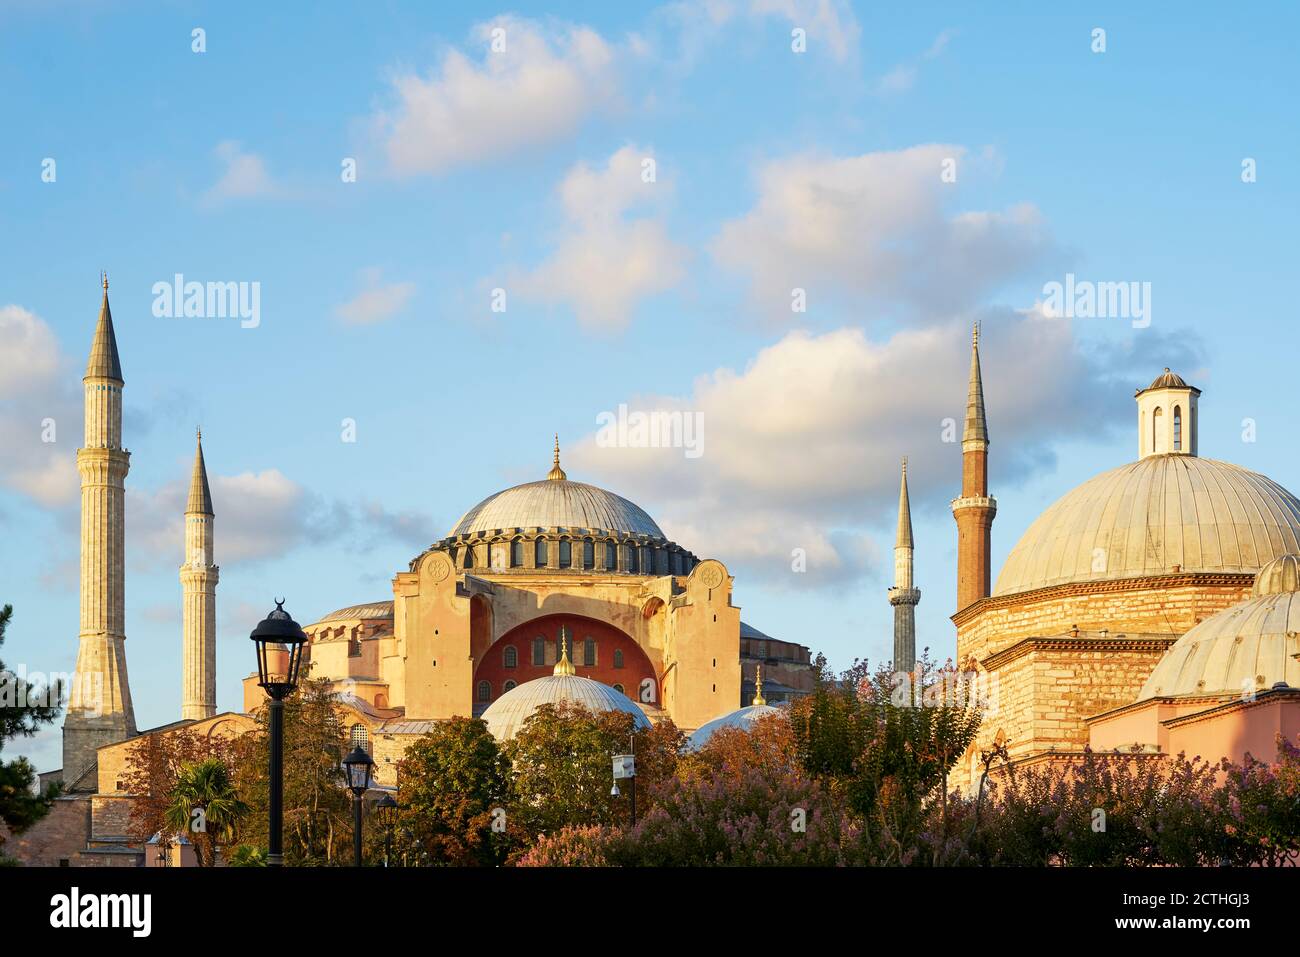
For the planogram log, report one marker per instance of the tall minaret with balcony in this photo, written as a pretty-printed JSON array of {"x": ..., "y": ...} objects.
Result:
[
  {"x": 199, "y": 598},
  {"x": 904, "y": 596},
  {"x": 99, "y": 704},
  {"x": 975, "y": 509}
]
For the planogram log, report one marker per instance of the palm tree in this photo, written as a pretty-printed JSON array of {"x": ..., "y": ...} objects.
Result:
[{"x": 205, "y": 806}]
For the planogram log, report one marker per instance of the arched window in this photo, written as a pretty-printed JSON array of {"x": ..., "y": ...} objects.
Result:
[
  {"x": 588, "y": 553},
  {"x": 485, "y": 691},
  {"x": 618, "y": 657},
  {"x": 517, "y": 553},
  {"x": 359, "y": 737},
  {"x": 510, "y": 657},
  {"x": 1157, "y": 420},
  {"x": 566, "y": 553},
  {"x": 508, "y": 686},
  {"x": 1178, "y": 428},
  {"x": 632, "y": 558},
  {"x": 589, "y": 652},
  {"x": 469, "y": 556},
  {"x": 611, "y": 556},
  {"x": 539, "y": 652},
  {"x": 619, "y": 689},
  {"x": 540, "y": 553}
]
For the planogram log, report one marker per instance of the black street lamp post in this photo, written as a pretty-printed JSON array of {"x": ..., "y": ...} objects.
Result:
[
  {"x": 280, "y": 644},
  {"x": 387, "y": 809},
  {"x": 357, "y": 765}
]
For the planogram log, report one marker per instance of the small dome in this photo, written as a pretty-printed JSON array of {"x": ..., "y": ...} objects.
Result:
[
  {"x": 1280, "y": 575},
  {"x": 1168, "y": 380},
  {"x": 373, "y": 609},
  {"x": 1251, "y": 646},
  {"x": 1159, "y": 515},
  {"x": 506, "y": 716},
  {"x": 743, "y": 719}
]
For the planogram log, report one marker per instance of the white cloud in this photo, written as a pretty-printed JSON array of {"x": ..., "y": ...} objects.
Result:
[
  {"x": 35, "y": 392},
  {"x": 244, "y": 175},
  {"x": 377, "y": 302},
  {"x": 802, "y": 446},
  {"x": 261, "y": 515},
  {"x": 829, "y": 22},
  {"x": 542, "y": 86},
  {"x": 876, "y": 228},
  {"x": 607, "y": 260}
]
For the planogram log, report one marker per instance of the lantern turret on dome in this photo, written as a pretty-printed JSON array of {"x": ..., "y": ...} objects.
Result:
[{"x": 1167, "y": 416}]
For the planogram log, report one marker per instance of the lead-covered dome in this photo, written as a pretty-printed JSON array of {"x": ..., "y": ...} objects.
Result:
[
  {"x": 1249, "y": 647},
  {"x": 506, "y": 716},
  {"x": 555, "y": 502},
  {"x": 1162, "y": 514}
]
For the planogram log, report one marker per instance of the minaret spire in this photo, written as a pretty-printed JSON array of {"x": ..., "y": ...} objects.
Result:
[
  {"x": 199, "y": 576},
  {"x": 99, "y": 708},
  {"x": 904, "y": 596},
  {"x": 975, "y": 509}
]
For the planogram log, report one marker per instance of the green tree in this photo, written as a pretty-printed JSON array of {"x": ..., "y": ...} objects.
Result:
[
  {"x": 561, "y": 770},
  {"x": 24, "y": 708},
  {"x": 453, "y": 785},
  {"x": 205, "y": 806},
  {"x": 885, "y": 741}
]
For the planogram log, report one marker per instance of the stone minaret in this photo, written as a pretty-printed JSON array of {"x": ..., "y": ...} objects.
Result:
[
  {"x": 904, "y": 596},
  {"x": 975, "y": 509},
  {"x": 99, "y": 704},
  {"x": 199, "y": 596}
]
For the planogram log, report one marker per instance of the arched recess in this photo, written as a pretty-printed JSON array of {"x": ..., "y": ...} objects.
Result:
[
  {"x": 635, "y": 671},
  {"x": 480, "y": 624}
]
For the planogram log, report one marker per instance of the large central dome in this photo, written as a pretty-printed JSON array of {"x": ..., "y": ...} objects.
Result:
[
  {"x": 557, "y": 502},
  {"x": 1165, "y": 513}
]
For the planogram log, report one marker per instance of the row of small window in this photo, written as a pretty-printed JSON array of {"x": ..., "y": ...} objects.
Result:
[
  {"x": 483, "y": 692},
  {"x": 510, "y": 654},
  {"x": 541, "y": 552}
]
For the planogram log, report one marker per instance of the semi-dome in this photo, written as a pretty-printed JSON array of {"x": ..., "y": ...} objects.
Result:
[
  {"x": 506, "y": 716},
  {"x": 744, "y": 718},
  {"x": 1159, "y": 515},
  {"x": 557, "y": 502},
  {"x": 1251, "y": 646}
]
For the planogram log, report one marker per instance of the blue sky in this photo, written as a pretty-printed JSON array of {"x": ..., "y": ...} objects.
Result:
[{"x": 518, "y": 170}]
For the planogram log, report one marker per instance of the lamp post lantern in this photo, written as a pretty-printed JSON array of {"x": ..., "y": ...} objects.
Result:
[
  {"x": 387, "y": 809},
  {"x": 280, "y": 644},
  {"x": 625, "y": 770},
  {"x": 357, "y": 765}
]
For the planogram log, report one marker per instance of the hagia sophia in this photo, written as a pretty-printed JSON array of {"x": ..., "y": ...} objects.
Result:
[{"x": 1155, "y": 607}]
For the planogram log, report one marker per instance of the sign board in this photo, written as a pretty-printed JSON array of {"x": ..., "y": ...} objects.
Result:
[{"x": 624, "y": 766}]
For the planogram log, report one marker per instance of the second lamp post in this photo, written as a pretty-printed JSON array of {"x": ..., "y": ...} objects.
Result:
[{"x": 357, "y": 765}]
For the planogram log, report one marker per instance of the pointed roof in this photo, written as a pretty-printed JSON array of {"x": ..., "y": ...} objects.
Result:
[
  {"x": 104, "y": 363},
  {"x": 200, "y": 497},
  {"x": 977, "y": 429},
  {"x": 904, "y": 539}
]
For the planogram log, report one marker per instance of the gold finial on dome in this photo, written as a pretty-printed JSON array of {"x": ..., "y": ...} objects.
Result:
[
  {"x": 557, "y": 474},
  {"x": 103, "y": 278},
  {"x": 564, "y": 666},
  {"x": 758, "y": 688}
]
